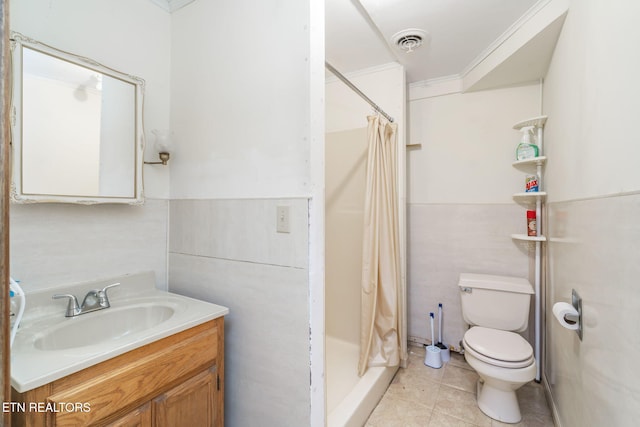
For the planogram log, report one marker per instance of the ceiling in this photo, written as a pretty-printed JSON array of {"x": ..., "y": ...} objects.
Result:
[{"x": 459, "y": 33}]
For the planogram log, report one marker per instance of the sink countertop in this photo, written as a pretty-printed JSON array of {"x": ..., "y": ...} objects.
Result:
[{"x": 33, "y": 367}]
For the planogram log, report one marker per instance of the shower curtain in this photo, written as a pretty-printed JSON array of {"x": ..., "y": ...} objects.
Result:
[{"x": 382, "y": 295}]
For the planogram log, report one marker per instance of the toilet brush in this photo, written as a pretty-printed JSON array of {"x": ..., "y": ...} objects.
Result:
[
  {"x": 433, "y": 357},
  {"x": 433, "y": 337},
  {"x": 443, "y": 348},
  {"x": 440, "y": 325}
]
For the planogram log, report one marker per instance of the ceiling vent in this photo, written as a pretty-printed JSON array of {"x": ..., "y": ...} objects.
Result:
[{"x": 410, "y": 39}]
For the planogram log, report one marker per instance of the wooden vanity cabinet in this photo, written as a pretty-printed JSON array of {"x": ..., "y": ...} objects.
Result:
[{"x": 176, "y": 381}]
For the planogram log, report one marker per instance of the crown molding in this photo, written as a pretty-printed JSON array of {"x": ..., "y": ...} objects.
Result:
[{"x": 533, "y": 10}]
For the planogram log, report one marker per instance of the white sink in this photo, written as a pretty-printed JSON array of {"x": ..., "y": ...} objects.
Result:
[
  {"x": 101, "y": 326},
  {"x": 49, "y": 346}
]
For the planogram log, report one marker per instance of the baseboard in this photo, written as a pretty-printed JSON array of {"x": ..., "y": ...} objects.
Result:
[
  {"x": 421, "y": 342},
  {"x": 550, "y": 402}
]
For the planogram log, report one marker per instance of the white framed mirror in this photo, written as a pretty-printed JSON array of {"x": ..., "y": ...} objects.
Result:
[{"x": 77, "y": 134}]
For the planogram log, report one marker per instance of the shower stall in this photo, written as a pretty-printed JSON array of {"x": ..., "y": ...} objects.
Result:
[{"x": 349, "y": 397}]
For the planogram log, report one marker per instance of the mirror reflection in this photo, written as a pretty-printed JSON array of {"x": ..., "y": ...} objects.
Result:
[{"x": 77, "y": 128}]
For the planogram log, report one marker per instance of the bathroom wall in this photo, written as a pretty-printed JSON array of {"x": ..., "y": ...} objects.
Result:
[
  {"x": 240, "y": 83},
  {"x": 460, "y": 208},
  {"x": 54, "y": 244},
  {"x": 228, "y": 252},
  {"x": 591, "y": 97},
  {"x": 242, "y": 73}
]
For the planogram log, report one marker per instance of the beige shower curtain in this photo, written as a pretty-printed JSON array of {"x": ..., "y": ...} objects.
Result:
[{"x": 382, "y": 295}]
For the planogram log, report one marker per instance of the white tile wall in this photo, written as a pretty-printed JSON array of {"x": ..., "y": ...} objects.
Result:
[
  {"x": 240, "y": 230},
  {"x": 54, "y": 244},
  {"x": 595, "y": 249},
  {"x": 445, "y": 240},
  {"x": 228, "y": 252}
]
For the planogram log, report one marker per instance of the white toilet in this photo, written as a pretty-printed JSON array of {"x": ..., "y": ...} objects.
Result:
[{"x": 496, "y": 308}]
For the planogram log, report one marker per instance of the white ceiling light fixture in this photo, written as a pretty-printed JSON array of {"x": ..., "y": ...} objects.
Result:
[{"x": 410, "y": 39}]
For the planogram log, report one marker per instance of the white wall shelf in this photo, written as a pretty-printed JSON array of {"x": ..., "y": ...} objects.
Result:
[
  {"x": 529, "y": 238},
  {"x": 533, "y": 162},
  {"x": 534, "y": 121},
  {"x": 530, "y": 197},
  {"x": 563, "y": 240}
]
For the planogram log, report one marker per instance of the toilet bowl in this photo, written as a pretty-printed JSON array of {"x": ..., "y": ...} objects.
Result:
[
  {"x": 496, "y": 308},
  {"x": 504, "y": 362}
]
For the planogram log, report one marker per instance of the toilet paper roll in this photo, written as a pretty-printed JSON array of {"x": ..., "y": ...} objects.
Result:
[{"x": 560, "y": 310}]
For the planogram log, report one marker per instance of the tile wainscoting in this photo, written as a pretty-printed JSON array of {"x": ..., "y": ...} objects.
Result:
[
  {"x": 55, "y": 243},
  {"x": 594, "y": 248},
  {"x": 228, "y": 252},
  {"x": 445, "y": 240}
]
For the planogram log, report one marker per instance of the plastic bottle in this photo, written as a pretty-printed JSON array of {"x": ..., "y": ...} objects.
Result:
[
  {"x": 15, "y": 292},
  {"x": 526, "y": 149},
  {"x": 531, "y": 184},
  {"x": 531, "y": 223},
  {"x": 13, "y": 307}
]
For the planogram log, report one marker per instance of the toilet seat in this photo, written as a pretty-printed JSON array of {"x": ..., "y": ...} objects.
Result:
[{"x": 499, "y": 348}]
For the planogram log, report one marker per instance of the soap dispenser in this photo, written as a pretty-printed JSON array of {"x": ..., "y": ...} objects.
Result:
[{"x": 526, "y": 149}]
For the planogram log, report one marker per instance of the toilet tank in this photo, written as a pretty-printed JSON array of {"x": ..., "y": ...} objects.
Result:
[{"x": 498, "y": 302}]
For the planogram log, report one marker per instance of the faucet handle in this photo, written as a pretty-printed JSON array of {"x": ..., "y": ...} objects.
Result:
[
  {"x": 104, "y": 300},
  {"x": 73, "y": 307},
  {"x": 109, "y": 286}
]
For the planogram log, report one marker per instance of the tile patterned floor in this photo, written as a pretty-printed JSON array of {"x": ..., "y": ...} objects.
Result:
[{"x": 421, "y": 396}]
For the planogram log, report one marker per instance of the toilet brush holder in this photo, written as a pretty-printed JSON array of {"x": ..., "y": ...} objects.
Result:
[
  {"x": 433, "y": 357},
  {"x": 445, "y": 354}
]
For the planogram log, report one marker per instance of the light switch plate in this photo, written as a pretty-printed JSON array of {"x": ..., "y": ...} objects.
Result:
[{"x": 282, "y": 219}]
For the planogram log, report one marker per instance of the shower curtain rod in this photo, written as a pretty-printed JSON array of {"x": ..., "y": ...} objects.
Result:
[{"x": 356, "y": 90}]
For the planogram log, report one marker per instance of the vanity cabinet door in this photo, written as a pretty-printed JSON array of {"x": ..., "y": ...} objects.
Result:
[
  {"x": 191, "y": 403},
  {"x": 140, "y": 417}
]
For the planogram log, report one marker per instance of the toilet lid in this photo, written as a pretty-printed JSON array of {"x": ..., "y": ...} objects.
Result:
[{"x": 502, "y": 348}]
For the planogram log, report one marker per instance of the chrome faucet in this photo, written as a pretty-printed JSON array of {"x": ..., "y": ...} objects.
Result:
[{"x": 94, "y": 300}]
